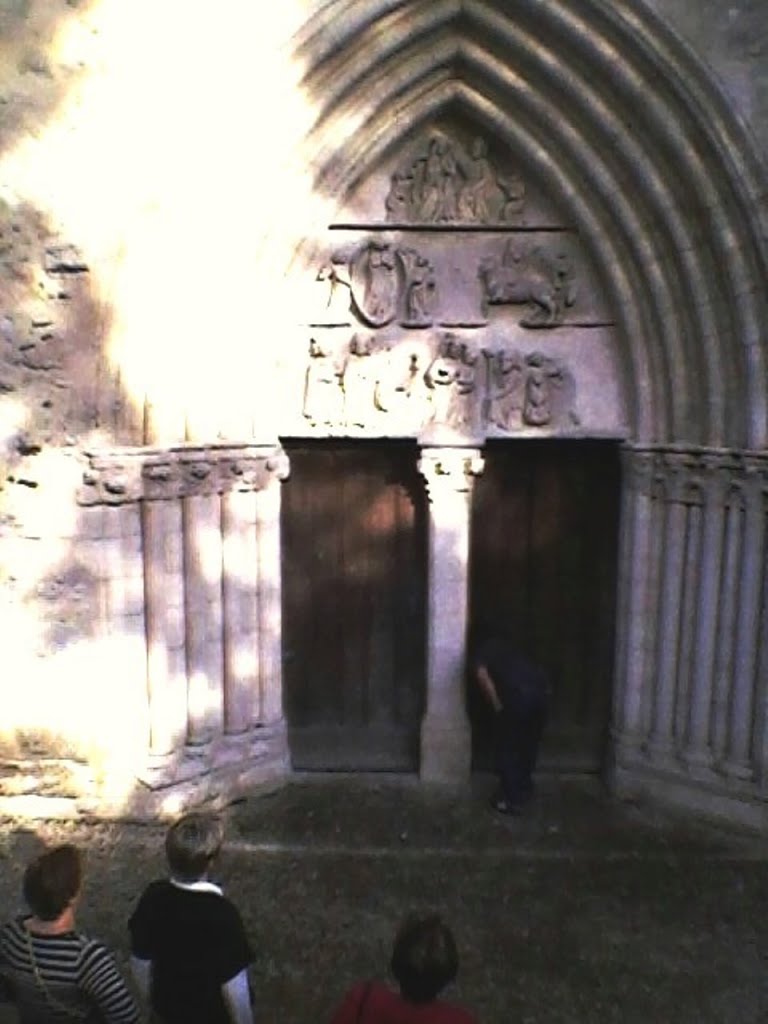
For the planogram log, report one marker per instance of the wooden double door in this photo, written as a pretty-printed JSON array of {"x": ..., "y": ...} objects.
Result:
[{"x": 542, "y": 566}]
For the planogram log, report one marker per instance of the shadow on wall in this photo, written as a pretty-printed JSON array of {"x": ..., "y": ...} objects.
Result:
[{"x": 55, "y": 392}]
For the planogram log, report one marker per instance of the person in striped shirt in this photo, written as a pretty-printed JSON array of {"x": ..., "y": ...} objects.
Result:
[{"x": 51, "y": 971}]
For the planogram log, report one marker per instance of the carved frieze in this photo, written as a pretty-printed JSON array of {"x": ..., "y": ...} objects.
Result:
[
  {"x": 379, "y": 281},
  {"x": 447, "y": 380},
  {"x": 143, "y": 474},
  {"x": 445, "y": 182}
]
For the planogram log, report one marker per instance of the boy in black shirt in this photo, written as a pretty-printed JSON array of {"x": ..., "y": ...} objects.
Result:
[
  {"x": 518, "y": 692},
  {"x": 189, "y": 950}
]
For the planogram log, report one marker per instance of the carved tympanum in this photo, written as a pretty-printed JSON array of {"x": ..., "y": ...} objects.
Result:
[{"x": 448, "y": 183}]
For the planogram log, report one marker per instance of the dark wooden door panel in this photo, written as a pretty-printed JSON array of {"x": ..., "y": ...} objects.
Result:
[
  {"x": 353, "y": 525},
  {"x": 543, "y": 568}
]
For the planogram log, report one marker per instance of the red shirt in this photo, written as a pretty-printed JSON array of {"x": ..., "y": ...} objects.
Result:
[{"x": 383, "y": 1006}]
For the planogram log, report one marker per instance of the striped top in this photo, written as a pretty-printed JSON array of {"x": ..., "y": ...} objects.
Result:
[{"x": 72, "y": 978}]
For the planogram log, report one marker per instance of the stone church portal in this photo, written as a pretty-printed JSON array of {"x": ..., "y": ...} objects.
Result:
[{"x": 432, "y": 312}]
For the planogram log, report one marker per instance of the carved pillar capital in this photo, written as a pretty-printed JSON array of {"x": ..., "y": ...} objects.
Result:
[
  {"x": 639, "y": 469},
  {"x": 447, "y": 470},
  {"x": 278, "y": 466},
  {"x": 681, "y": 483}
]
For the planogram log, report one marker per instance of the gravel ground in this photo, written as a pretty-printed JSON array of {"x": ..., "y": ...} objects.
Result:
[{"x": 585, "y": 910}]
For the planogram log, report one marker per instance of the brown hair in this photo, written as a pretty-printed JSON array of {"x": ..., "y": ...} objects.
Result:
[
  {"x": 191, "y": 844},
  {"x": 52, "y": 881},
  {"x": 424, "y": 957}
]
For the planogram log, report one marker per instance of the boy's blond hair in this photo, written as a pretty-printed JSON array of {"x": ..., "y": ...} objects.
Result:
[{"x": 191, "y": 844}]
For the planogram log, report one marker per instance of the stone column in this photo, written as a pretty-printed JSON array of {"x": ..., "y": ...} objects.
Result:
[
  {"x": 201, "y": 516},
  {"x": 164, "y": 602},
  {"x": 445, "y": 733},
  {"x": 661, "y": 741},
  {"x": 738, "y": 760},
  {"x": 240, "y": 584},
  {"x": 634, "y": 588},
  {"x": 726, "y": 632},
  {"x": 716, "y": 482},
  {"x": 270, "y": 592}
]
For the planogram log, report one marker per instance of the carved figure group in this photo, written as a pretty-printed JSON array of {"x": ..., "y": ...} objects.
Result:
[
  {"x": 448, "y": 184},
  {"x": 453, "y": 387},
  {"x": 524, "y": 390}
]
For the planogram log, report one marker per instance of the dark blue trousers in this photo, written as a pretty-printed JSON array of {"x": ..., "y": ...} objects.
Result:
[{"x": 519, "y": 729}]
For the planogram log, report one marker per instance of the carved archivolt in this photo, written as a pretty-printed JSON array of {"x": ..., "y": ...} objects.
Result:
[
  {"x": 448, "y": 382},
  {"x": 143, "y": 474}
]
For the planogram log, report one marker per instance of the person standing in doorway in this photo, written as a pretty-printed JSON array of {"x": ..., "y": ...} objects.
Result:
[{"x": 517, "y": 690}]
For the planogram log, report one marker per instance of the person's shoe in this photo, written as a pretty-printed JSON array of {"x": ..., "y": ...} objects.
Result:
[{"x": 502, "y": 806}]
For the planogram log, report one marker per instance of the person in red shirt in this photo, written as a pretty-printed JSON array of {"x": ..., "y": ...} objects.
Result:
[{"x": 424, "y": 961}]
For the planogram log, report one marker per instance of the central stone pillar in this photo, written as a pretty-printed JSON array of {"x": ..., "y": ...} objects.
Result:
[{"x": 446, "y": 744}]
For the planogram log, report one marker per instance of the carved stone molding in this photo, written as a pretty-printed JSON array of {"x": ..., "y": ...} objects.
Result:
[
  {"x": 146, "y": 474},
  {"x": 696, "y": 476},
  {"x": 450, "y": 469}
]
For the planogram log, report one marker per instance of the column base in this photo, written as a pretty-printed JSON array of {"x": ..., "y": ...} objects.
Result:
[{"x": 446, "y": 752}]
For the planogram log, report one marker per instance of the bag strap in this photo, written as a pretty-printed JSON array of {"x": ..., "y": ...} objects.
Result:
[
  {"x": 363, "y": 1001},
  {"x": 54, "y": 1003}
]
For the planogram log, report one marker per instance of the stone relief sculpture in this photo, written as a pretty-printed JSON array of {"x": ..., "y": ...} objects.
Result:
[
  {"x": 533, "y": 390},
  {"x": 375, "y": 283},
  {"x": 545, "y": 284},
  {"x": 443, "y": 383},
  {"x": 322, "y": 391},
  {"x": 358, "y": 382},
  {"x": 446, "y": 183},
  {"x": 419, "y": 288},
  {"x": 452, "y": 380},
  {"x": 338, "y": 303}
]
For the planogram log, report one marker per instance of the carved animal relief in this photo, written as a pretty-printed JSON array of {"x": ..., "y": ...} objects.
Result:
[{"x": 544, "y": 283}]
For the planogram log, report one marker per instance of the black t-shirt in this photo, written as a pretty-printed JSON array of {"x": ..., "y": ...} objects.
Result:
[
  {"x": 196, "y": 942},
  {"x": 515, "y": 676}
]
